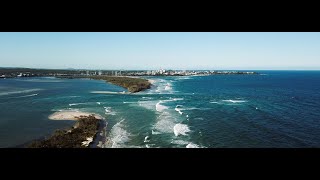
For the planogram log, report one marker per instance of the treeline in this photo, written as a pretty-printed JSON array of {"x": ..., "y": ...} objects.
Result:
[{"x": 71, "y": 138}]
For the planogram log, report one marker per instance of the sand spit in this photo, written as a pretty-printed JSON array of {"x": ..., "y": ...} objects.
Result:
[{"x": 71, "y": 115}]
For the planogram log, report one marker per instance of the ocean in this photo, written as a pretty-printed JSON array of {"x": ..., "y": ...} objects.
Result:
[{"x": 275, "y": 109}]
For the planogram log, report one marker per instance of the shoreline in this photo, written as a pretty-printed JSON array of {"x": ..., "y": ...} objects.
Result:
[
  {"x": 133, "y": 85},
  {"x": 83, "y": 134},
  {"x": 71, "y": 115}
]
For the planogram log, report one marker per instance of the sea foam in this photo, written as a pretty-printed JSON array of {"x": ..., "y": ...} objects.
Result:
[
  {"x": 178, "y": 110},
  {"x": 30, "y": 95},
  {"x": 177, "y": 99},
  {"x": 160, "y": 107},
  {"x": 155, "y": 132},
  {"x": 108, "y": 111},
  {"x": 19, "y": 92},
  {"x": 214, "y": 102},
  {"x": 180, "y": 129},
  {"x": 191, "y": 145},
  {"x": 165, "y": 123},
  {"x": 119, "y": 136},
  {"x": 168, "y": 87},
  {"x": 234, "y": 101},
  {"x": 75, "y": 104},
  {"x": 180, "y": 142},
  {"x": 146, "y": 139}
]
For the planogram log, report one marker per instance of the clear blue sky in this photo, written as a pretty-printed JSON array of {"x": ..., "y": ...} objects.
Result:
[{"x": 165, "y": 50}]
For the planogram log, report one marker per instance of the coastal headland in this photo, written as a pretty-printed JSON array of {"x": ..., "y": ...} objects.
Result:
[
  {"x": 85, "y": 131},
  {"x": 81, "y": 135},
  {"x": 132, "y": 84}
]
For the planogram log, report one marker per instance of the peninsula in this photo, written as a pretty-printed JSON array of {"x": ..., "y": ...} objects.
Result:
[
  {"x": 81, "y": 135},
  {"x": 132, "y": 84}
]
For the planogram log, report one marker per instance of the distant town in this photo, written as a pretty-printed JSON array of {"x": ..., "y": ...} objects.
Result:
[{"x": 27, "y": 72}]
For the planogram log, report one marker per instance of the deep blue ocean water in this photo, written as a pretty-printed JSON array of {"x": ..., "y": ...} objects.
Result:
[{"x": 273, "y": 109}]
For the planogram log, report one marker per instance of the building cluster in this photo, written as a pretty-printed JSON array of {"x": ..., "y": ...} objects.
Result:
[
  {"x": 74, "y": 73},
  {"x": 16, "y": 74},
  {"x": 163, "y": 72}
]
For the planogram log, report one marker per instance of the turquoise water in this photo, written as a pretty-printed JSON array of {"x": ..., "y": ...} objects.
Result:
[{"x": 274, "y": 109}]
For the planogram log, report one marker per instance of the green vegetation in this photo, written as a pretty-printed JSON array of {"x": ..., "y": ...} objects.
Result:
[
  {"x": 132, "y": 84},
  {"x": 84, "y": 128}
]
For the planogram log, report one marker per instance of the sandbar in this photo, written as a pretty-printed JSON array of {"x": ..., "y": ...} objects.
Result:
[{"x": 71, "y": 115}]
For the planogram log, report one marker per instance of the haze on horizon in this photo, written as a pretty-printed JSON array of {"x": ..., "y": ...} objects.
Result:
[{"x": 150, "y": 50}]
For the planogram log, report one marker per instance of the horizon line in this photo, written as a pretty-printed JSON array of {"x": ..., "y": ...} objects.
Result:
[{"x": 119, "y": 69}]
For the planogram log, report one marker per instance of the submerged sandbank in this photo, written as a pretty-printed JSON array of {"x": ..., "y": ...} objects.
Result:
[{"x": 72, "y": 115}]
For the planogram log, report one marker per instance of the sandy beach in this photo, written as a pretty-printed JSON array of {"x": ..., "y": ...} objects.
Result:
[{"x": 71, "y": 115}]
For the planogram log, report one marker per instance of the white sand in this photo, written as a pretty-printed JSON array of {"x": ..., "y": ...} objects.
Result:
[
  {"x": 71, "y": 115},
  {"x": 87, "y": 142}
]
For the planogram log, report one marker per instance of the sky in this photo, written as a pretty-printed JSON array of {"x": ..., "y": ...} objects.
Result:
[{"x": 167, "y": 50}]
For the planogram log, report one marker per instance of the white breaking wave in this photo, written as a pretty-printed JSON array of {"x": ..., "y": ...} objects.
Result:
[
  {"x": 180, "y": 129},
  {"x": 180, "y": 142},
  {"x": 73, "y": 96},
  {"x": 184, "y": 77},
  {"x": 162, "y": 87},
  {"x": 118, "y": 135},
  {"x": 150, "y": 146},
  {"x": 146, "y": 97},
  {"x": 29, "y": 95},
  {"x": 67, "y": 109},
  {"x": 108, "y": 111},
  {"x": 160, "y": 107},
  {"x": 191, "y": 145},
  {"x": 193, "y": 108},
  {"x": 146, "y": 139},
  {"x": 26, "y": 96},
  {"x": 178, "y": 110},
  {"x": 168, "y": 87},
  {"x": 165, "y": 123},
  {"x": 214, "y": 102},
  {"x": 155, "y": 132},
  {"x": 124, "y": 102},
  {"x": 109, "y": 92},
  {"x": 98, "y": 103},
  {"x": 234, "y": 101},
  {"x": 19, "y": 92},
  {"x": 177, "y": 99},
  {"x": 75, "y": 104},
  {"x": 147, "y": 104}
]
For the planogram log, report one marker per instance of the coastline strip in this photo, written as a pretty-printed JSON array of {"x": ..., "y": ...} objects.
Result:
[{"x": 72, "y": 115}]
